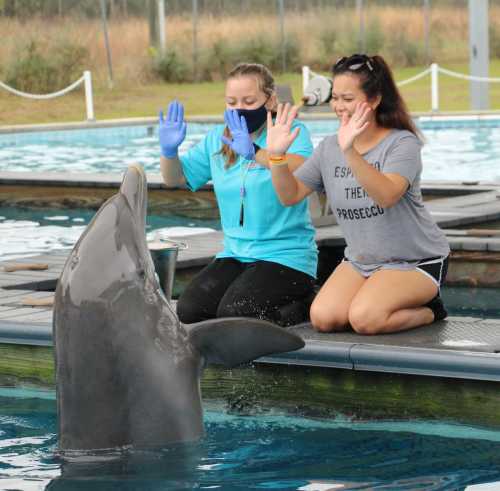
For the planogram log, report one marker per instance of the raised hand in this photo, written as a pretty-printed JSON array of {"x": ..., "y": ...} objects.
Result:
[
  {"x": 172, "y": 130},
  {"x": 279, "y": 134},
  {"x": 351, "y": 127},
  {"x": 241, "y": 141}
]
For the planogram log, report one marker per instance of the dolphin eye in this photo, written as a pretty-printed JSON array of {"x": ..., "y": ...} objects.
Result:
[{"x": 141, "y": 273}]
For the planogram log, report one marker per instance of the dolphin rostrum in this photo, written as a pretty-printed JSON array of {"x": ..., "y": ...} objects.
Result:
[{"x": 127, "y": 371}]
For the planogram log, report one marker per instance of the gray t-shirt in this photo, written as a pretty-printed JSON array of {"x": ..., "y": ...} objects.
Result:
[{"x": 404, "y": 232}]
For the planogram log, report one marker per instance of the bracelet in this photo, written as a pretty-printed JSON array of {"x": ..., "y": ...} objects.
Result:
[{"x": 277, "y": 160}]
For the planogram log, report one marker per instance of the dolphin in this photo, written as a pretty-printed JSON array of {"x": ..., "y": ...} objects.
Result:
[{"x": 127, "y": 371}]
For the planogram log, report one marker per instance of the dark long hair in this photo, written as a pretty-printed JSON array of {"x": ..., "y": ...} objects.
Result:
[
  {"x": 266, "y": 85},
  {"x": 376, "y": 79}
]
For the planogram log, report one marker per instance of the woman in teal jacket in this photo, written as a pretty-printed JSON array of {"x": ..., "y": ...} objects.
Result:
[{"x": 267, "y": 267}]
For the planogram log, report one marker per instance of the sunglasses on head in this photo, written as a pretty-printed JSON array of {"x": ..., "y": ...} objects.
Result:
[{"x": 353, "y": 63}]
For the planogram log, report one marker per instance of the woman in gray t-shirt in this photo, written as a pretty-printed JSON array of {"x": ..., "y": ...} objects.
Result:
[{"x": 396, "y": 256}]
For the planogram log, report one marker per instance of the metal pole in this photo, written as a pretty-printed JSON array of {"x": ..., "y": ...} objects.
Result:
[
  {"x": 106, "y": 41},
  {"x": 89, "y": 100},
  {"x": 152, "y": 12},
  {"x": 479, "y": 53},
  {"x": 161, "y": 26},
  {"x": 427, "y": 30},
  {"x": 195, "y": 40},
  {"x": 281, "y": 7},
  {"x": 361, "y": 16}
]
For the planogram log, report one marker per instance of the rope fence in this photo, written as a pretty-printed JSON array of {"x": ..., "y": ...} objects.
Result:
[
  {"x": 434, "y": 69},
  {"x": 86, "y": 79},
  {"x": 307, "y": 74},
  {"x": 415, "y": 78}
]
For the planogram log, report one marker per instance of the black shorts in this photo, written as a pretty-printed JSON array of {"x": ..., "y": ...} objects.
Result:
[{"x": 434, "y": 267}]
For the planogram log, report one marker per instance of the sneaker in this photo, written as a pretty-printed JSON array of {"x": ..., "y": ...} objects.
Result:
[{"x": 437, "y": 307}]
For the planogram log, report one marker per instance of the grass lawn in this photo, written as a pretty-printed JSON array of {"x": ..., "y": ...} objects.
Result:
[{"x": 127, "y": 101}]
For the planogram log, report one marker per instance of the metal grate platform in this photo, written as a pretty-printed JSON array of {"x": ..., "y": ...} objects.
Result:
[{"x": 457, "y": 347}]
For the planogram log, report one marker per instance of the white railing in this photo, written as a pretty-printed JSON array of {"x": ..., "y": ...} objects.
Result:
[
  {"x": 434, "y": 69},
  {"x": 86, "y": 79}
]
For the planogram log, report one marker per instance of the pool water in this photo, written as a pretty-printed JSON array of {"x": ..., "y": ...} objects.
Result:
[
  {"x": 472, "y": 302},
  {"x": 455, "y": 149},
  {"x": 268, "y": 450},
  {"x": 26, "y": 232}
]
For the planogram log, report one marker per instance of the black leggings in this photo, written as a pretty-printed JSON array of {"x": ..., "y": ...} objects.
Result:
[{"x": 266, "y": 290}]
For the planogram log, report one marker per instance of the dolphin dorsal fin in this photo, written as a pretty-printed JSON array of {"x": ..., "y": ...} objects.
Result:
[{"x": 230, "y": 341}]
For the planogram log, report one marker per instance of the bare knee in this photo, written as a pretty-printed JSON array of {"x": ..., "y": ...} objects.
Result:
[
  {"x": 366, "y": 320},
  {"x": 326, "y": 320}
]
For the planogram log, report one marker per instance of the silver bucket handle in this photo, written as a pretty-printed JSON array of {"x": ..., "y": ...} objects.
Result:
[{"x": 180, "y": 245}]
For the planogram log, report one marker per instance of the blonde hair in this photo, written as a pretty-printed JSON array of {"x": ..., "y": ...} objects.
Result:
[{"x": 266, "y": 84}]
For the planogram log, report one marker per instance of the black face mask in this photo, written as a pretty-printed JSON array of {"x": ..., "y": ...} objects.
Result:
[{"x": 255, "y": 118}]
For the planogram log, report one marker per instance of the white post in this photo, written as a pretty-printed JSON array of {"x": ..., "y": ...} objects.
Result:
[
  {"x": 89, "y": 102},
  {"x": 306, "y": 74},
  {"x": 434, "y": 87}
]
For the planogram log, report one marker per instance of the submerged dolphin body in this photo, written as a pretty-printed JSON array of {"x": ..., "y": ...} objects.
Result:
[{"x": 127, "y": 371}]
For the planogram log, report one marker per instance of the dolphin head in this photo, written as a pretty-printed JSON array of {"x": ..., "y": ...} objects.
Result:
[
  {"x": 127, "y": 371},
  {"x": 112, "y": 252}
]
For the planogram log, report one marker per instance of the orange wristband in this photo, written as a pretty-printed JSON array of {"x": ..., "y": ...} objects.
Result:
[{"x": 277, "y": 160}]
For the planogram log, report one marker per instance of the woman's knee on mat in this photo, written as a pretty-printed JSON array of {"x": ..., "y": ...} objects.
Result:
[
  {"x": 367, "y": 319},
  {"x": 327, "y": 319}
]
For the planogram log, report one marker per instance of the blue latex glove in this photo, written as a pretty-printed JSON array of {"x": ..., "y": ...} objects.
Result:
[
  {"x": 172, "y": 130},
  {"x": 241, "y": 143}
]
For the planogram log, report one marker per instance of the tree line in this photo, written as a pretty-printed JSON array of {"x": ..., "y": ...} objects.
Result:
[{"x": 125, "y": 8}]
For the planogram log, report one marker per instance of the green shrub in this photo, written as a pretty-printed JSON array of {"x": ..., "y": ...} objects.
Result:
[
  {"x": 256, "y": 50},
  {"x": 374, "y": 38},
  {"x": 292, "y": 56},
  {"x": 494, "y": 41},
  {"x": 348, "y": 43},
  {"x": 170, "y": 67},
  {"x": 403, "y": 52},
  {"x": 33, "y": 72},
  {"x": 269, "y": 53},
  {"x": 70, "y": 61},
  {"x": 218, "y": 61},
  {"x": 328, "y": 41},
  {"x": 327, "y": 44}
]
